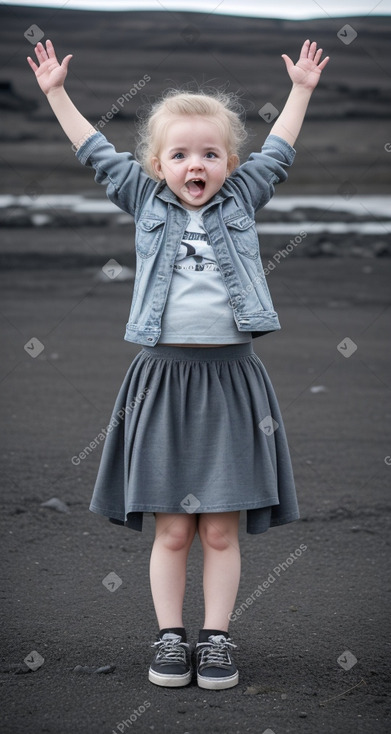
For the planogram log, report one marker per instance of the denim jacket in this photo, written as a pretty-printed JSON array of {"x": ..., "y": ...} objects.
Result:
[{"x": 161, "y": 221}]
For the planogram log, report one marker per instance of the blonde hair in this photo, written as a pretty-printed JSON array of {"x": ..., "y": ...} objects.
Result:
[{"x": 223, "y": 107}]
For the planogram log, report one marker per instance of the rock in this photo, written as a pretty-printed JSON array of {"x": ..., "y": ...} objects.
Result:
[
  {"x": 91, "y": 669},
  {"x": 15, "y": 668},
  {"x": 55, "y": 504},
  {"x": 254, "y": 690}
]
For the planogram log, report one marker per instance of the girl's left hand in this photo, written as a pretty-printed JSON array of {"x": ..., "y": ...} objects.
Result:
[{"x": 306, "y": 73}]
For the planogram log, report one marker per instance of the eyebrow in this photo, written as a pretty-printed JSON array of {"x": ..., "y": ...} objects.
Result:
[{"x": 205, "y": 147}]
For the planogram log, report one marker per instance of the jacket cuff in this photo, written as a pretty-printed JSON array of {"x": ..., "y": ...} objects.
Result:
[
  {"x": 85, "y": 150},
  {"x": 283, "y": 146}
]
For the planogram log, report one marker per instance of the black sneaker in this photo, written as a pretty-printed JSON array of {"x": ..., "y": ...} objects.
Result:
[
  {"x": 215, "y": 667},
  {"x": 171, "y": 665}
]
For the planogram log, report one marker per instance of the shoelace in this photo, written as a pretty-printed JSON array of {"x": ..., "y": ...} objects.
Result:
[
  {"x": 216, "y": 653},
  {"x": 170, "y": 651}
]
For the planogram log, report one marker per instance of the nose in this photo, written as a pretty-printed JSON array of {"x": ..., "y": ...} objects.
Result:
[{"x": 196, "y": 163}]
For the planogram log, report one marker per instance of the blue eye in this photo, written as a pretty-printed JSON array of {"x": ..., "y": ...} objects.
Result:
[
  {"x": 211, "y": 155},
  {"x": 177, "y": 156}
]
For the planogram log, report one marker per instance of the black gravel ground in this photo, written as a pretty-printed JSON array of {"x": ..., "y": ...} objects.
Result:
[{"x": 325, "y": 603}]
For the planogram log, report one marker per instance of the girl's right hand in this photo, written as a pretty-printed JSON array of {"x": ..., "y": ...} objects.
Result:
[{"x": 49, "y": 74}]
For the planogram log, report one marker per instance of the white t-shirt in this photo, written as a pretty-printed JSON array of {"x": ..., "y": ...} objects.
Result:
[{"x": 197, "y": 309}]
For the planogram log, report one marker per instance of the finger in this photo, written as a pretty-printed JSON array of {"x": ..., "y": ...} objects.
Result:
[
  {"x": 65, "y": 62},
  {"x": 324, "y": 62},
  {"x": 32, "y": 64},
  {"x": 304, "y": 49},
  {"x": 318, "y": 55},
  {"x": 50, "y": 50},
  {"x": 311, "y": 50},
  {"x": 40, "y": 53},
  {"x": 288, "y": 61}
]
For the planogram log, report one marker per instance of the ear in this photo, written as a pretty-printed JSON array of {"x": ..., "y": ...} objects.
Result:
[
  {"x": 232, "y": 163},
  {"x": 157, "y": 167}
]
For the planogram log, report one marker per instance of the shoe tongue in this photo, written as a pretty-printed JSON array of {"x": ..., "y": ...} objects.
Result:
[
  {"x": 171, "y": 636},
  {"x": 217, "y": 639}
]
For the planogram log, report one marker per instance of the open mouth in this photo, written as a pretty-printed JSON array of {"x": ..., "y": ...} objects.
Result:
[{"x": 195, "y": 186}]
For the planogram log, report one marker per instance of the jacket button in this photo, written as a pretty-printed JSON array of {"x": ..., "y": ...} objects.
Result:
[{"x": 150, "y": 338}]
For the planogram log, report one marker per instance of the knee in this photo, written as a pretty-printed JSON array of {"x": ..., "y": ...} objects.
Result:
[
  {"x": 216, "y": 536},
  {"x": 178, "y": 535}
]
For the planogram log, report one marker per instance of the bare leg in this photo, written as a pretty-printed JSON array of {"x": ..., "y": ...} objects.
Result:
[
  {"x": 173, "y": 538},
  {"x": 219, "y": 537}
]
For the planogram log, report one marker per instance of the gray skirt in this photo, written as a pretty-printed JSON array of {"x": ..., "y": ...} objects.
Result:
[{"x": 196, "y": 430}]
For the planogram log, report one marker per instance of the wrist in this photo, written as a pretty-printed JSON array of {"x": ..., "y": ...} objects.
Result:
[
  {"x": 55, "y": 92},
  {"x": 300, "y": 89}
]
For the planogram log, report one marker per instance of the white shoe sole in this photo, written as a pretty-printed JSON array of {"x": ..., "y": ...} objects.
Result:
[
  {"x": 218, "y": 684},
  {"x": 172, "y": 681}
]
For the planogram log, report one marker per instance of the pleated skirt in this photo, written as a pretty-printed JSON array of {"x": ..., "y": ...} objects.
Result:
[{"x": 196, "y": 430}]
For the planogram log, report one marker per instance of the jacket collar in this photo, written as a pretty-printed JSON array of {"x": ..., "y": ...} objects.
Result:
[{"x": 162, "y": 191}]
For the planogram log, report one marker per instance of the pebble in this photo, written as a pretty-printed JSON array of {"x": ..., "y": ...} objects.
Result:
[
  {"x": 94, "y": 669},
  {"x": 15, "y": 668},
  {"x": 254, "y": 690},
  {"x": 55, "y": 504}
]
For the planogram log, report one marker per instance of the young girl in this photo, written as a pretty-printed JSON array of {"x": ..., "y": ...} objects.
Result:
[{"x": 197, "y": 434}]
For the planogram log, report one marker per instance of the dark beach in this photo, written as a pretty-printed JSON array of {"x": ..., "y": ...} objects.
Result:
[{"x": 312, "y": 649}]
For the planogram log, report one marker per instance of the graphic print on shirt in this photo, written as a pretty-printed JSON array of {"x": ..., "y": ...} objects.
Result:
[{"x": 195, "y": 252}]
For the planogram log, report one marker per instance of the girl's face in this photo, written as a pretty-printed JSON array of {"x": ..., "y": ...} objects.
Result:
[{"x": 193, "y": 159}]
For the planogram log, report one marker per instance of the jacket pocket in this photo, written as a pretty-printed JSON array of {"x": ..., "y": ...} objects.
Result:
[
  {"x": 149, "y": 231},
  {"x": 243, "y": 234}
]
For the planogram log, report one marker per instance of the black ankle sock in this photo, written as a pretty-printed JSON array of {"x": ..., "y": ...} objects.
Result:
[
  {"x": 205, "y": 634},
  {"x": 176, "y": 631}
]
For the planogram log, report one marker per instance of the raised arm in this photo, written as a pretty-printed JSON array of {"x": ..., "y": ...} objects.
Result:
[
  {"x": 305, "y": 75},
  {"x": 50, "y": 76}
]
